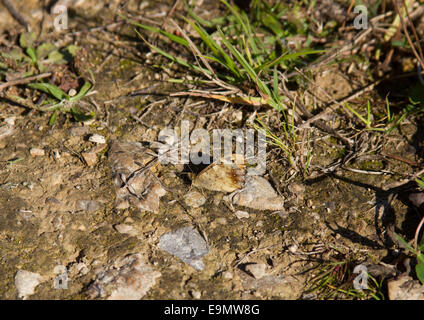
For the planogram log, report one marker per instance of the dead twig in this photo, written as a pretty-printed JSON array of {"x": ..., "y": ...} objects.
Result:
[
  {"x": 24, "y": 80},
  {"x": 418, "y": 54}
]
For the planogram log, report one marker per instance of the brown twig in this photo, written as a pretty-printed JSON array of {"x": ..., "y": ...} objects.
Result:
[
  {"x": 398, "y": 158},
  {"x": 24, "y": 80},
  {"x": 418, "y": 55}
]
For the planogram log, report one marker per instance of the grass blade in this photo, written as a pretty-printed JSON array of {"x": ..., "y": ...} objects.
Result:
[{"x": 51, "y": 89}]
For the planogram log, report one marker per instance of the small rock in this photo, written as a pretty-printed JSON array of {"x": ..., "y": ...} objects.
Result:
[
  {"x": 194, "y": 199},
  {"x": 8, "y": 128},
  {"x": 257, "y": 270},
  {"x": 196, "y": 294},
  {"x": 405, "y": 288},
  {"x": 241, "y": 214},
  {"x": 125, "y": 229},
  {"x": 257, "y": 194},
  {"x": 28, "y": 184},
  {"x": 293, "y": 248},
  {"x": 10, "y": 121},
  {"x": 36, "y": 152},
  {"x": 26, "y": 281},
  {"x": 97, "y": 138},
  {"x": 72, "y": 92},
  {"x": 90, "y": 158},
  {"x": 228, "y": 275},
  {"x": 187, "y": 244}
]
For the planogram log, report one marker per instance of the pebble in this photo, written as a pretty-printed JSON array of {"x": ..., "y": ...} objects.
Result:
[
  {"x": 241, "y": 214},
  {"x": 257, "y": 270},
  {"x": 90, "y": 158},
  {"x": 405, "y": 288},
  {"x": 196, "y": 294},
  {"x": 187, "y": 244},
  {"x": 258, "y": 194},
  {"x": 26, "y": 281},
  {"x": 97, "y": 138},
  {"x": 72, "y": 92},
  {"x": 125, "y": 229},
  {"x": 194, "y": 199},
  {"x": 36, "y": 152},
  {"x": 10, "y": 121}
]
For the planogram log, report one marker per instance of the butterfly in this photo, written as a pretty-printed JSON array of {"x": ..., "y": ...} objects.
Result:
[{"x": 221, "y": 176}]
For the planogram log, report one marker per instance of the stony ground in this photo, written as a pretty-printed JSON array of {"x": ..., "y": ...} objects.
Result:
[{"x": 63, "y": 216}]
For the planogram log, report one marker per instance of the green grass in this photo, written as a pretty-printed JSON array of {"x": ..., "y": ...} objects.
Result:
[
  {"x": 334, "y": 280},
  {"x": 31, "y": 58},
  {"x": 62, "y": 101},
  {"x": 243, "y": 54}
]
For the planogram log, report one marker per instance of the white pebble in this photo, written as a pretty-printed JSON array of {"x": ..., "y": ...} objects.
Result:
[
  {"x": 25, "y": 282},
  {"x": 97, "y": 138},
  {"x": 257, "y": 270},
  {"x": 36, "y": 152},
  {"x": 241, "y": 214},
  {"x": 196, "y": 294}
]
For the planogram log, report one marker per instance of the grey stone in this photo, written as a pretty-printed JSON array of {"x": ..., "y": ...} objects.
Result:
[
  {"x": 187, "y": 244},
  {"x": 257, "y": 194}
]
